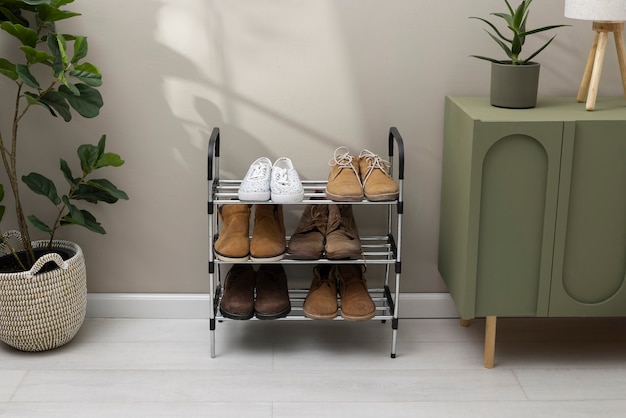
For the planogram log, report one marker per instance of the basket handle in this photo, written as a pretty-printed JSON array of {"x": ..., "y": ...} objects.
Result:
[
  {"x": 41, "y": 261},
  {"x": 6, "y": 236}
]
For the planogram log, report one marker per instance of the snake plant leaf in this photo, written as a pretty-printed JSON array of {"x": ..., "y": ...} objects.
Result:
[
  {"x": 26, "y": 35},
  {"x": 87, "y": 104},
  {"x": 533, "y": 55},
  {"x": 26, "y": 77},
  {"x": 43, "y": 186},
  {"x": 39, "y": 224},
  {"x": 8, "y": 69}
]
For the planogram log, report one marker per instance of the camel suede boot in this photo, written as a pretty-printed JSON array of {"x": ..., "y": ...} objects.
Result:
[
  {"x": 233, "y": 243},
  {"x": 238, "y": 297},
  {"x": 268, "y": 237},
  {"x": 321, "y": 301},
  {"x": 272, "y": 294},
  {"x": 356, "y": 302},
  {"x": 342, "y": 235},
  {"x": 307, "y": 241},
  {"x": 377, "y": 183},
  {"x": 344, "y": 182}
]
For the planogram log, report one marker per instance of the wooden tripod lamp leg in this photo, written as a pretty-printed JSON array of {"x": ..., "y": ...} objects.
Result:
[
  {"x": 597, "y": 71},
  {"x": 584, "y": 85},
  {"x": 621, "y": 54}
]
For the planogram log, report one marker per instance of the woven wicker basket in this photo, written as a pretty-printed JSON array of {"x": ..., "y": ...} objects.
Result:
[{"x": 44, "y": 310}]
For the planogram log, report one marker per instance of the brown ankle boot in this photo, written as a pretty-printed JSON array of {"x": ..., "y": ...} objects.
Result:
[
  {"x": 377, "y": 183},
  {"x": 356, "y": 302},
  {"x": 321, "y": 301},
  {"x": 342, "y": 235},
  {"x": 233, "y": 243},
  {"x": 272, "y": 294},
  {"x": 307, "y": 241},
  {"x": 268, "y": 237},
  {"x": 238, "y": 297}
]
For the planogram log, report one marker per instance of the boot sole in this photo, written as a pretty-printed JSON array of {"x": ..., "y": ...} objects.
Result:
[
  {"x": 320, "y": 317},
  {"x": 358, "y": 318},
  {"x": 274, "y": 315},
  {"x": 381, "y": 197},
  {"x": 267, "y": 259},
  {"x": 341, "y": 198},
  {"x": 231, "y": 315},
  {"x": 231, "y": 259}
]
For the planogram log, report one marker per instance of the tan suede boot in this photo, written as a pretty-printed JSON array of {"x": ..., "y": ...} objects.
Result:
[
  {"x": 233, "y": 243},
  {"x": 307, "y": 241},
  {"x": 238, "y": 297},
  {"x": 356, "y": 302},
  {"x": 268, "y": 237},
  {"x": 321, "y": 301},
  {"x": 272, "y": 294},
  {"x": 377, "y": 183},
  {"x": 342, "y": 235},
  {"x": 344, "y": 182}
]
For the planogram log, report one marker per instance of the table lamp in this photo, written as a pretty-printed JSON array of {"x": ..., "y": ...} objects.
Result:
[{"x": 607, "y": 16}]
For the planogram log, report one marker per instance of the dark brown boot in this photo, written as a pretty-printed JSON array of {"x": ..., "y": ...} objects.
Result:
[
  {"x": 342, "y": 235},
  {"x": 272, "y": 294},
  {"x": 238, "y": 297},
  {"x": 321, "y": 301},
  {"x": 233, "y": 243},
  {"x": 356, "y": 302},
  {"x": 307, "y": 241},
  {"x": 268, "y": 237}
]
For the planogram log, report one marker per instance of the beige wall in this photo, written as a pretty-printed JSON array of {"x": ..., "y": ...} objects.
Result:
[{"x": 289, "y": 78}]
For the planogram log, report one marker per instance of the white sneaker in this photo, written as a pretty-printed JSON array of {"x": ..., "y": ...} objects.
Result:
[
  {"x": 286, "y": 186},
  {"x": 256, "y": 184}
]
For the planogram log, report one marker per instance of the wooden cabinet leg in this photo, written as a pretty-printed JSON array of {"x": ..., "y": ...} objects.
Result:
[
  {"x": 490, "y": 341},
  {"x": 464, "y": 322}
]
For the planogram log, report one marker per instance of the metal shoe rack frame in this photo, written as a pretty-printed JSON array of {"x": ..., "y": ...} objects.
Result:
[{"x": 378, "y": 249}]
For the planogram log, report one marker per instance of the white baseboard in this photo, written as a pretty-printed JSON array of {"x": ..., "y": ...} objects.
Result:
[{"x": 179, "y": 306}]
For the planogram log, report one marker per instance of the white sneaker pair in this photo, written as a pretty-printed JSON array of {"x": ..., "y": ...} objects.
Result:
[{"x": 264, "y": 180}]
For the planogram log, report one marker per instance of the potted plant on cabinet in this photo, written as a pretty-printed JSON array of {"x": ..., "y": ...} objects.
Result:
[
  {"x": 514, "y": 81},
  {"x": 43, "y": 284}
]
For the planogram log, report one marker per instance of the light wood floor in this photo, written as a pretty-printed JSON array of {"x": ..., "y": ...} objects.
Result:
[{"x": 161, "y": 368}]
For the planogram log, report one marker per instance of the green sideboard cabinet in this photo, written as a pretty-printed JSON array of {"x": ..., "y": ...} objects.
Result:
[{"x": 533, "y": 210}]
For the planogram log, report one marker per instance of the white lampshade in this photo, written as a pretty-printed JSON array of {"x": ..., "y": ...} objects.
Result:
[{"x": 597, "y": 10}]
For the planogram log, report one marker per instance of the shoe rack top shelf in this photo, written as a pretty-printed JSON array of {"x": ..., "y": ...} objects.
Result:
[{"x": 225, "y": 191}]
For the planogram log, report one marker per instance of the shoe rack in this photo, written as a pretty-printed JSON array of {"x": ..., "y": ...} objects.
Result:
[{"x": 381, "y": 249}]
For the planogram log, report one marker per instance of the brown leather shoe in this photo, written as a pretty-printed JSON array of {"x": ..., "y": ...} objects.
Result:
[
  {"x": 307, "y": 241},
  {"x": 272, "y": 294},
  {"x": 233, "y": 243},
  {"x": 377, "y": 183},
  {"x": 342, "y": 235},
  {"x": 268, "y": 237},
  {"x": 321, "y": 301},
  {"x": 238, "y": 296},
  {"x": 344, "y": 182},
  {"x": 356, "y": 302}
]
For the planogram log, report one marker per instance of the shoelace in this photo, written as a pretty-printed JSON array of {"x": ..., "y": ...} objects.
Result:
[
  {"x": 374, "y": 161},
  {"x": 280, "y": 176},
  {"x": 343, "y": 159},
  {"x": 258, "y": 171}
]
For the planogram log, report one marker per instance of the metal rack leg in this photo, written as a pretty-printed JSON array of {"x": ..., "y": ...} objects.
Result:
[
  {"x": 394, "y": 335},
  {"x": 212, "y": 337}
]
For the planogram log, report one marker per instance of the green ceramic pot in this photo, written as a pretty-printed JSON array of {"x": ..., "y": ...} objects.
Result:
[{"x": 514, "y": 86}]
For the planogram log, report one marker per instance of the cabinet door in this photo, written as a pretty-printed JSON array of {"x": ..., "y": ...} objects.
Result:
[
  {"x": 516, "y": 176},
  {"x": 590, "y": 244}
]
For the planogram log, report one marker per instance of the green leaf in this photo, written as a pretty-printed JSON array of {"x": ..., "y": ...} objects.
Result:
[
  {"x": 26, "y": 77},
  {"x": 43, "y": 186},
  {"x": 39, "y": 224},
  {"x": 88, "y": 156},
  {"x": 74, "y": 212},
  {"x": 85, "y": 219},
  {"x": 34, "y": 56},
  {"x": 25, "y": 35},
  {"x": 89, "y": 102},
  {"x": 110, "y": 159},
  {"x": 91, "y": 79},
  {"x": 52, "y": 13},
  {"x": 56, "y": 102},
  {"x": 533, "y": 55},
  {"x": 53, "y": 46},
  {"x": 67, "y": 173},
  {"x": 8, "y": 69},
  {"x": 80, "y": 49},
  {"x": 109, "y": 188}
]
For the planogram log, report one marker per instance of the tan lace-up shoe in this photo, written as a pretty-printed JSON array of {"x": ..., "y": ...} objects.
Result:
[
  {"x": 321, "y": 301},
  {"x": 356, "y": 302},
  {"x": 272, "y": 294},
  {"x": 342, "y": 235},
  {"x": 233, "y": 243},
  {"x": 307, "y": 241},
  {"x": 238, "y": 297},
  {"x": 268, "y": 236},
  {"x": 377, "y": 183},
  {"x": 344, "y": 183}
]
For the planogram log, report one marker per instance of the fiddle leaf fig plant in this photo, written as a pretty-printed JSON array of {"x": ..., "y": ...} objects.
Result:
[
  {"x": 53, "y": 74},
  {"x": 512, "y": 42}
]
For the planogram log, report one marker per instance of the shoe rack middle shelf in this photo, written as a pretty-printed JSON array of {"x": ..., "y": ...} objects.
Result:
[{"x": 382, "y": 248}]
